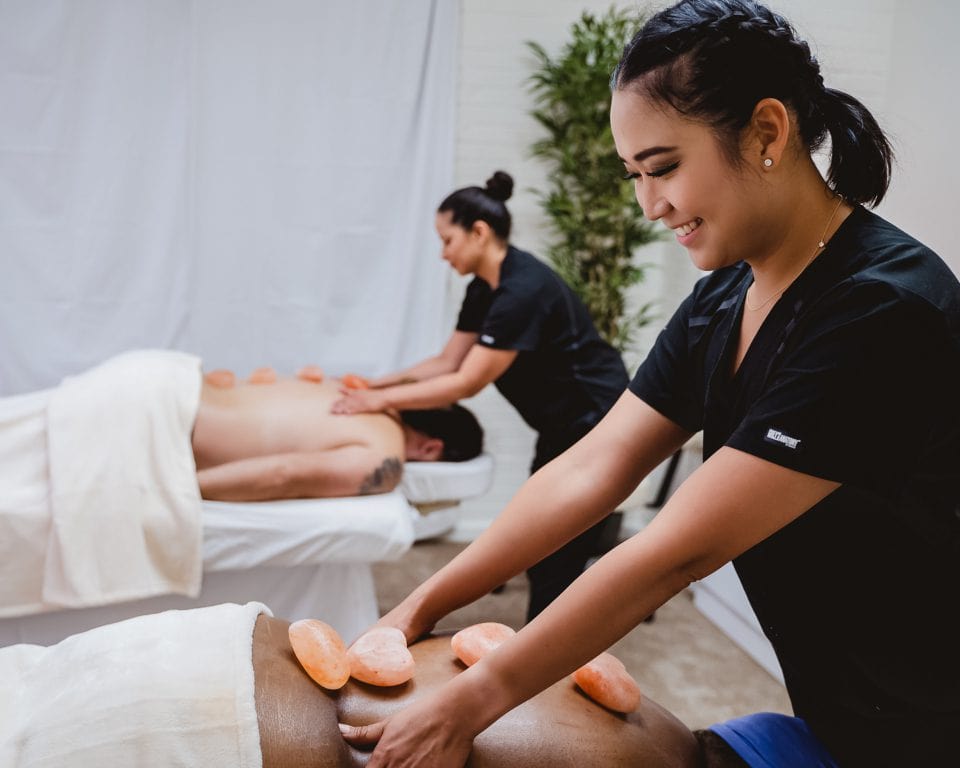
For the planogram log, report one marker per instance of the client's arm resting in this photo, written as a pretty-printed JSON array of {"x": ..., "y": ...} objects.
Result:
[{"x": 348, "y": 471}]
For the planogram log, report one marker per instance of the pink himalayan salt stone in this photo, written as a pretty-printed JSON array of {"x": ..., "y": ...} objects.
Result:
[
  {"x": 321, "y": 652},
  {"x": 263, "y": 375},
  {"x": 607, "y": 682},
  {"x": 353, "y": 381},
  {"x": 220, "y": 378},
  {"x": 474, "y": 642},
  {"x": 380, "y": 657},
  {"x": 311, "y": 373}
]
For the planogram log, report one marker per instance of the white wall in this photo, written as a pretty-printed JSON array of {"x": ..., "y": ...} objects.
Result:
[{"x": 897, "y": 56}]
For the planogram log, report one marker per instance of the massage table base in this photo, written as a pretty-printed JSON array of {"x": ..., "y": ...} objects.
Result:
[{"x": 341, "y": 594}]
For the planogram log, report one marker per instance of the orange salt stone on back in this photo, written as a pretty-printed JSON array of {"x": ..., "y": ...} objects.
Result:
[
  {"x": 311, "y": 373},
  {"x": 220, "y": 378},
  {"x": 607, "y": 682},
  {"x": 380, "y": 657},
  {"x": 352, "y": 381},
  {"x": 263, "y": 375},
  {"x": 474, "y": 642},
  {"x": 321, "y": 652}
]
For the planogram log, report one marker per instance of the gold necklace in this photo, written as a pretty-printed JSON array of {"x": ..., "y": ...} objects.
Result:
[{"x": 820, "y": 245}]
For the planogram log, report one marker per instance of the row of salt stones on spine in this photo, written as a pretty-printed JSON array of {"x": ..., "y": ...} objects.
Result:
[{"x": 380, "y": 657}]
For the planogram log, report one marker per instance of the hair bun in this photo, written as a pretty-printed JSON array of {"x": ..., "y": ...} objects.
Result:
[{"x": 500, "y": 186}]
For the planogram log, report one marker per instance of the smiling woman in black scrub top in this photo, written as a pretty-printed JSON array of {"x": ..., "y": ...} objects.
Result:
[
  {"x": 523, "y": 329},
  {"x": 821, "y": 359}
]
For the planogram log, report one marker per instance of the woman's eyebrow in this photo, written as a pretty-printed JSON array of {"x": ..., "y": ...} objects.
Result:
[{"x": 645, "y": 153}]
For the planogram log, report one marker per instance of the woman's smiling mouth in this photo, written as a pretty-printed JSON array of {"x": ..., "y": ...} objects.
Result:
[{"x": 685, "y": 229}]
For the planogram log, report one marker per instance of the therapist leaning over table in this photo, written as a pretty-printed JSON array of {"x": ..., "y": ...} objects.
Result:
[
  {"x": 523, "y": 329},
  {"x": 821, "y": 359}
]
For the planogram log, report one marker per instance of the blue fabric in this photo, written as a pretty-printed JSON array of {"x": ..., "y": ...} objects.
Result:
[{"x": 769, "y": 740}]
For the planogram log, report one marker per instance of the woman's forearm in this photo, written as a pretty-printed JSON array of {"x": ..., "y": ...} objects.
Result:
[
  {"x": 603, "y": 605},
  {"x": 425, "y": 369},
  {"x": 448, "y": 361},
  {"x": 560, "y": 501},
  {"x": 437, "y": 392}
]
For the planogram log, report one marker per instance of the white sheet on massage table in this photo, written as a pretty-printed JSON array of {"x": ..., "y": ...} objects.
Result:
[
  {"x": 303, "y": 557},
  {"x": 438, "y": 481},
  {"x": 358, "y": 529}
]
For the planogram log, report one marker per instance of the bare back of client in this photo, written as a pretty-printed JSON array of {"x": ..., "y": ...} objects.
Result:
[
  {"x": 560, "y": 727},
  {"x": 279, "y": 440}
]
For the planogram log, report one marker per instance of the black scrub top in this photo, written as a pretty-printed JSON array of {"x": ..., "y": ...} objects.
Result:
[
  {"x": 565, "y": 377},
  {"x": 853, "y": 377}
]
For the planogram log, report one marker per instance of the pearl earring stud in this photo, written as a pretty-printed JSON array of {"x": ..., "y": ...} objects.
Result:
[{"x": 768, "y": 162}]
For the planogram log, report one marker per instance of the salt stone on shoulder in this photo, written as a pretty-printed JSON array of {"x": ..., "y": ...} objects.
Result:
[
  {"x": 380, "y": 657},
  {"x": 220, "y": 378},
  {"x": 321, "y": 652},
  {"x": 312, "y": 373},
  {"x": 476, "y": 641},
  {"x": 607, "y": 682},
  {"x": 263, "y": 375}
]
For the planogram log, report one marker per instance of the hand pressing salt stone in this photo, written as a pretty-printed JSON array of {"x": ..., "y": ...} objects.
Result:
[
  {"x": 474, "y": 642},
  {"x": 321, "y": 652},
  {"x": 220, "y": 378},
  {"x": 312, "y": 373},
  {"x": 607, "y": 682},
  {"x": 264, "y": 375},
  {"x": 380, "y": 657}
]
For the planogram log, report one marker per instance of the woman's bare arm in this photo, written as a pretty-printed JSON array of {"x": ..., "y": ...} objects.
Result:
[
  {"x": 449, "y": 360},
  {"x": 732, "y": 502},
  {"x": 561, "y": 500},
  {"x": 480, "y": 367}
]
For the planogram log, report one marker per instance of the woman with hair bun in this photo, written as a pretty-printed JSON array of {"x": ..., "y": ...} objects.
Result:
[
  {"x": 821, "y": 359},
  {"x": 523, "y": 329}
]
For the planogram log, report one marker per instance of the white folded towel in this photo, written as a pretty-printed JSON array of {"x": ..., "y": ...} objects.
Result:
[
  {"x": 123, "y": 484},
  {"x": 169, "y": 689},
  {"x": 24, "y": 502}
]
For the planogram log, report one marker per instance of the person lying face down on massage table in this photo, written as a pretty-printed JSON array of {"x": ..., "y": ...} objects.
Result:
[
  {"x": 561, "y": 728},
  {"x": 220, "y": 686},
  {"x": 275, "y": 438}
]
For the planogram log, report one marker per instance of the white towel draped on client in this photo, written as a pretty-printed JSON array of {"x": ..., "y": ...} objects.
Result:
[
  {"x": 123, "y": 521},
  {"x": 120, "y": 696}
]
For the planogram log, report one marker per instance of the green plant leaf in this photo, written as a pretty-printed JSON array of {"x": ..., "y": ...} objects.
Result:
[{"x": 593, "y": 215}]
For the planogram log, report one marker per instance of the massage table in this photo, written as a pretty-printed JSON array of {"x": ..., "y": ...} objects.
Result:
[
  {"x": 90, "y": 537},
  {"x": 306, "y": 558}
]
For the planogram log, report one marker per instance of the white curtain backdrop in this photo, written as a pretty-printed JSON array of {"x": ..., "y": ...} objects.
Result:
[{"x": 250, "y": 181}]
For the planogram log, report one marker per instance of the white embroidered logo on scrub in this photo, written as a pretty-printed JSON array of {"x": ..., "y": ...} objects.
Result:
[
  {"x": 487, "y": 338},
  {"x": 776, "y": 436}
]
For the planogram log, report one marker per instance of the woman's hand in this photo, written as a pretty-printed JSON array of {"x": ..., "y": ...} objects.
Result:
[
  {"x": 424, "y": 735},
  {"x": 406, "y": 618},
  {"x": 360, "y": 401}
]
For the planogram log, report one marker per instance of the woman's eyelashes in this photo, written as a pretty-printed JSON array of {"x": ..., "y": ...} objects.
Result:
[
  {"x": 663, "y": 170},
  {"x": 654, "y": 174}
]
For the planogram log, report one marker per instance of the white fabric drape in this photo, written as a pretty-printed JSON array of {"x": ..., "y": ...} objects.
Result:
[{"x": 247, "y": 181}]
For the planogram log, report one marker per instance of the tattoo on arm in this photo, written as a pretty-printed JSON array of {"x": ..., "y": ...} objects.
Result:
[{"x": 383, "y": 478}]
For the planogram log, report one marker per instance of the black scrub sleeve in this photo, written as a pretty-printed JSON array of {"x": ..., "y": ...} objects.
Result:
[
  {"x": 666, "y": 379},
  {"x": 473, "y": 309},
  {"x": 517, "y": 317},
  {"x": 867, "y": 388}
]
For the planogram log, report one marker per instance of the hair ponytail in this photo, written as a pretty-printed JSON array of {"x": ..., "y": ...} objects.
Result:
[
  {"x": 472, "y": 204},
  {"x": 715, "y": 60},
  {"x": 861, "y": 158}
]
